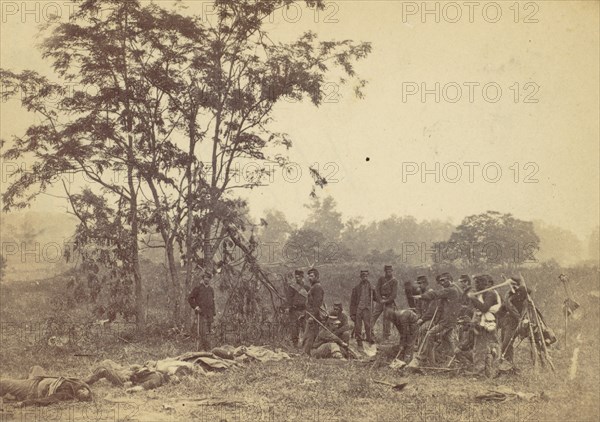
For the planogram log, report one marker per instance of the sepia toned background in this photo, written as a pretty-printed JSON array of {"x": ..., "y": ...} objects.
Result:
[{"x": 548, "y": 129}]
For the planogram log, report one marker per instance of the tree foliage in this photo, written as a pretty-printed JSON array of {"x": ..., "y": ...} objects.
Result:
[
  {"x": 490, "y": 239},
  {"x": 178, "y": 102}
]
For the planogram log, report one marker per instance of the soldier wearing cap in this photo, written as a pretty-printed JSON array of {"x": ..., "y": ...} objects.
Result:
[
  {"x": 328, "y": 344},
  {"x": 385, "y": 296},
  {"x": 314, "y": 302},
  {"x": 202, "y": 300},
  {"x": 296, "y": 305},
  {"x": 361, "y": 307}
]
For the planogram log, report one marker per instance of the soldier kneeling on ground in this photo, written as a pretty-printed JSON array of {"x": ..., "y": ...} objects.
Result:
[{"x": 329, "y": 345}]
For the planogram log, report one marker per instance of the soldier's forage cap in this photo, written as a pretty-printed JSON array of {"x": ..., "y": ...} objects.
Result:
[
  {"x": 364, "y": 272},
  {"x": 298, "y": 272},
  {"x": 313, "y": 271},
  {"x": 464, "y": 277},
  {"x": 337, "y": 304},
  {"x": 422, "y": 278},
  {"x": 387, "y": 267},
  {"x": 447, "y": 276}
]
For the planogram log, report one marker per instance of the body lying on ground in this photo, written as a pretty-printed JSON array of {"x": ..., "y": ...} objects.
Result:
[
  {"x": 42, "y": 390},
  {"x": 137, "y": 377},
  {"x": 154, "y": 374}
]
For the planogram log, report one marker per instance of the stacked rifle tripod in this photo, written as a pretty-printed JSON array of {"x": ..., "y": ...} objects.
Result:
[{"x": 533, "y": 327}]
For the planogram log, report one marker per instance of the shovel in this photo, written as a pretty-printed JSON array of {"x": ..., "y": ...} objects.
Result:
[{"x": 395, "y": 387}]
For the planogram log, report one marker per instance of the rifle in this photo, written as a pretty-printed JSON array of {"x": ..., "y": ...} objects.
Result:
[
  {"x": 533, "y": 309},
  {"x": 345, "y": 347}
]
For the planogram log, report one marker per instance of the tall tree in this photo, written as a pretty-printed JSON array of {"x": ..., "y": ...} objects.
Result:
[{"x": 180, "y": 101}]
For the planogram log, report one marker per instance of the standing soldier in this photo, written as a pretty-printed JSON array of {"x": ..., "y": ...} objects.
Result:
[
  {"x": 410, "y": 289},
  {"x": 449, "y": 307},
  {"x": 202, "y": 300},
  {"x": 385, "y": 294},
  {"x": 424, "y": 308},
  {"x": 314, "y": 301},
  {"x": 361, "y": 306},
  {"x": 485, "y": 347},
  {"x": 465, "y": 333},
  {"x": 296, "y": 305},
  {"x": 513, "y": 310}
]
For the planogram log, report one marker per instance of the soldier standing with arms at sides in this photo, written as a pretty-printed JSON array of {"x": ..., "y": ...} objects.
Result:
[
  {"x": 202, "y": 300},
  {"x": 361, "y": 306},
  {"x": 314, "y": 301},
  {"x": 385, "y": 294}
]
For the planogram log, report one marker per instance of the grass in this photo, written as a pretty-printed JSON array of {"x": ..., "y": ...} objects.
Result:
[{"x": 316, "y": 390}]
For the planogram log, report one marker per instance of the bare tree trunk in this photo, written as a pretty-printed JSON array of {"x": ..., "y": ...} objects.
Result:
[{"x": 137, "y": 276}]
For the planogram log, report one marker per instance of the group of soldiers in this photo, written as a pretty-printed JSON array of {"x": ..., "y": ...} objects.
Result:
[{"x": 466, "y": 322}]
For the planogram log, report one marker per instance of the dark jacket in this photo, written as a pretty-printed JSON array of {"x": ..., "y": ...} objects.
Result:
[
  {"x": 515, "y": 303},
  {"x": 405, "y": 322},
  {"x": 296, "y": 298},
  {"x": 314, "y": 300},
  {"x": 449, "y": 303},
  {"x": 489, "y": 299},
  {"x": 426, "y": 308},
  {"x": 355, "y": 299},
  {"x": 386, "y": 290},
  {"x": 344, "y": 326},
  {"x": 203, "y": 297}
]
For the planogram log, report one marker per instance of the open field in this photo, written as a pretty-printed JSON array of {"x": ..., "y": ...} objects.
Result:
[{"x": 304, "y": 389}]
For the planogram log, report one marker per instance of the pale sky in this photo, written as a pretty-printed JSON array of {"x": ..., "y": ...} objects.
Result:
[{"x": 554, "y": 140}]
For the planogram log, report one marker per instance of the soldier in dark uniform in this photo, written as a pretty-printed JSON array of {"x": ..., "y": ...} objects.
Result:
[
  {"x": 328, "y": 344},
  {"x": 424, "y": 308},
  {"x": 202, "y": 300},
  {"x": 361, "y": 306},
  {"x": 385, "y": 296},
  {"x": 442, "y": 332},
  {"x": 296, "y": 306},
  {"x": 314, "y": 301},
  {"x": 465, "y": 334},
  {"x": 405, "y": 322},
  {"x": 409, "y": 291},
  {"x": 344, "y": 328},
  {"x": 485, "y": 348},
  {"x": 510, "y": 314}
]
